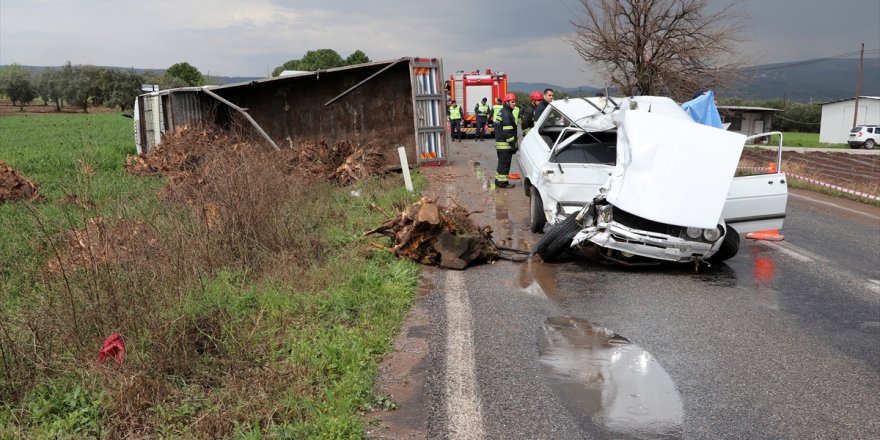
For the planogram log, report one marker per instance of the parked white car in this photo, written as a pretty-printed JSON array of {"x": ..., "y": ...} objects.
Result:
[
  {"x": 638, "y": 179},
  {"x": 864, "y": 136}
]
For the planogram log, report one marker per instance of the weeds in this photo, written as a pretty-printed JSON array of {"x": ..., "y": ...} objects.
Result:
[{"x": 248, "y": 303}]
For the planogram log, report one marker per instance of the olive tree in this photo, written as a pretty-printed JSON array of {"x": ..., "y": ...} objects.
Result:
[
  {"x": 16, "y": 82},
  {"x": 51, "y": 86},
  {"x": 82, "y": 82},
  {"x": 187, "y": 72},
  {"x": 661, "y": 47}
]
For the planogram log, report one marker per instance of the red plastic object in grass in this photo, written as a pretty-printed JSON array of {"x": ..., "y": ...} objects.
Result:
[{"x": 113, "y": 347}]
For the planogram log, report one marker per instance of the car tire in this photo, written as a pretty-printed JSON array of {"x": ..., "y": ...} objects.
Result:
[
  {"x": 537, "y": 218},
  {"x": 869, "y": 143},
  {"x": 558, "y": 239},
  {"x": 729, "y": 247}
]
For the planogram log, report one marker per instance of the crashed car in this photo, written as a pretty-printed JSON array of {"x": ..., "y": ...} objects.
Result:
[{"x": 638, "y": 180}]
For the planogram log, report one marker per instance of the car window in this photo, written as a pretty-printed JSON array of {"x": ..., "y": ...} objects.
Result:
[
  {"x": 552, "y": 129},
  {"x": 870, "y": 130},
  {"x": 855, "y": 129}
]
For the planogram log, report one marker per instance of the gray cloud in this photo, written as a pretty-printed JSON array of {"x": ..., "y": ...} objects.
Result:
[{"x": 249, "y": 38}]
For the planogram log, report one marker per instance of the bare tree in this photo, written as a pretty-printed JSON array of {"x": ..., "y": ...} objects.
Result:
[{"x": 661, "y": 47}]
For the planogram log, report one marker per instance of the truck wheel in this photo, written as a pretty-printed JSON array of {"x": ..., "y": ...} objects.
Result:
[
  {"x": 558, "y": 239},
  {"x": 729, "y": 247},
  {"x": 537, "y": 218}
]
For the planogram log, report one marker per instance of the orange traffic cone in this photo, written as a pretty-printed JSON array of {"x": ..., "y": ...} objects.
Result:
[
  {"x": 771, "y": 168},
  {"x": 769, "y": 235}
]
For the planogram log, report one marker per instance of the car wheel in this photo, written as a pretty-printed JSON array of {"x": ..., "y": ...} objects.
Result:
[
  {"x": 869, "y": 143},
  {"x": 537, "y": 218},
  {"x": 729, "y": 247},
  {"x": 558, "y": 239}
]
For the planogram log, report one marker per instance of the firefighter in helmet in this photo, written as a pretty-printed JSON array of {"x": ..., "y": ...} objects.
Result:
[
  {"x": 528, "y": 112},
  {"x": 505, "y": 140}
]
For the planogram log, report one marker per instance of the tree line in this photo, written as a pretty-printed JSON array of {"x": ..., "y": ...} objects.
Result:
[{"x": 83, "y": 86}]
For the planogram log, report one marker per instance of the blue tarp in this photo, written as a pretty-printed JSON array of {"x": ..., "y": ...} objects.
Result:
[{"x": 703, "y": 110}]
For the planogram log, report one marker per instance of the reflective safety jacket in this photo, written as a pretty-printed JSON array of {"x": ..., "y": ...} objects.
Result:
[
  {"x": 454, "y": 112},
  {"x": 496, "y": 112},
  {"x": 505, "y": 129},
  {"x": 482, "y": 110}
]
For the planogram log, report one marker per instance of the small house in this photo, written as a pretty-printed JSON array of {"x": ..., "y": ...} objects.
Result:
[
  {"x": 838, "y": 117},
  {"x": 747, "y": 120}
]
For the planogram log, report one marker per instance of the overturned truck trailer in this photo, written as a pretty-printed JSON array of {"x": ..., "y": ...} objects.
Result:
[{"x": 396, "y": 103}]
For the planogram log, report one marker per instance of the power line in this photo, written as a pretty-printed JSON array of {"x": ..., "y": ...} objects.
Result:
[{"x": 815, "y": 60}]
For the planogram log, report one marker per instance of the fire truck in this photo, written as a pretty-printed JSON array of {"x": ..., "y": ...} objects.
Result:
[{"x": 468, "y": 89}]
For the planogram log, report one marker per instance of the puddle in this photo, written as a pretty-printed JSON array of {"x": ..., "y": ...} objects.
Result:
[
  {"x": 610, "y": 385},
  {"x": 539, "y": 279}
]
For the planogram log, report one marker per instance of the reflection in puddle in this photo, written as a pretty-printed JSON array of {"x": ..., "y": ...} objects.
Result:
[
  {"x": 620, "y": 389},
  {"x": 539, "y": 279}
]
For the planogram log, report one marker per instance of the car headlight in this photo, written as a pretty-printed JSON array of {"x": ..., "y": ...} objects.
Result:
[
  {"x": 712, "y": 234},
  {"x": 693, "y": 232}
]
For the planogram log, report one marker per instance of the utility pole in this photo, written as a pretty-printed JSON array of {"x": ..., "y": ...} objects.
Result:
[{"x": 858, "y": 87}]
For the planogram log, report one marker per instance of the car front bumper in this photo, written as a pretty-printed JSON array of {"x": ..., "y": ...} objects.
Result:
[{"x": 645, "y": 243}]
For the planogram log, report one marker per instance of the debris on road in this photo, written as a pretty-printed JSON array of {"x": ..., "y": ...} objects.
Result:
[
  {"x": 14, "y": 186},
  {"x": 434, "y": 234}
]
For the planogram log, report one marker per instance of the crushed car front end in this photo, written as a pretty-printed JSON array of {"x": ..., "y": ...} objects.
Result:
[{"x": 629, "y": 235}]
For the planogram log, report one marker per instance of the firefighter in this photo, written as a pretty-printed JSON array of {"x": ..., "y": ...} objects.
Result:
[
  {"x": 454, "y": 112},
  {"x": 528, "y": 115},
  {"x": 482, "y": 112},
  {"x": 505, "y": 140},
  {"x": 548, "y": 98}
]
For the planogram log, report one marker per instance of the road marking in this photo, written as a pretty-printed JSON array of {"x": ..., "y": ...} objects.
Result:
[
  {"x": 790, "y": 252},
  {"x": 463, "y": 408},
  {"x": 854, "y": 211},
  {"x": 874, "y": 285}
]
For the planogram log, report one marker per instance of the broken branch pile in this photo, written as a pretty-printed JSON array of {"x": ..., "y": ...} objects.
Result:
[
  {"x": 14, "y": 186},
  {"x": 100, "y": 242},
  {"x": 432, "y": 234},
  {"x": 185, "y": 155}
]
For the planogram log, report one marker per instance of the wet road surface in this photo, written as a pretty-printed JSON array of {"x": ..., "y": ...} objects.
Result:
[{"x": 782, "y": 341}]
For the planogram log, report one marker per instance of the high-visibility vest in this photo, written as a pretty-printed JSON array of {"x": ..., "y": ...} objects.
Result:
[
  {"x": 455, "y": 112},
  {"x": 496, "y": 112},
  {"x": 482, "y": 109},
  {"x": 516, "y": 116}
]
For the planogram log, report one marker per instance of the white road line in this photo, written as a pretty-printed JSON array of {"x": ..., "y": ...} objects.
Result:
[
  {"x": 463, "y": 408},
  {"x": 873, "y": 285},
  {"x": 786, "y": 249},
  {"x": 854, "y": 211}
]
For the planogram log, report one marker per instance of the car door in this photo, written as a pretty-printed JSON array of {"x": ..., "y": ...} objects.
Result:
[
  {"x": 575, "y": 182},
  {"x": 757, "y": 202}
]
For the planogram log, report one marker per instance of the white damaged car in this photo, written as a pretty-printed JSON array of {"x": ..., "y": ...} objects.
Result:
[{"x": 639, "y": 181}]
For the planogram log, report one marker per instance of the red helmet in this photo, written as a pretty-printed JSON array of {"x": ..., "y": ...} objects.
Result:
[
  {"x": 536, "y": 96},
  {"x": 509, "y": 97}
]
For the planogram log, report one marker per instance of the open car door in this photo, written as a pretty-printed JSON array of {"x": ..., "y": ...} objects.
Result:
[{"x": 757, "y": 202}]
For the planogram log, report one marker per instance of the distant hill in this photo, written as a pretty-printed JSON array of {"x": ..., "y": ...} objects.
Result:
[
  {"x": 816, "y": 82},
  {"x": 823, "y": 81}
]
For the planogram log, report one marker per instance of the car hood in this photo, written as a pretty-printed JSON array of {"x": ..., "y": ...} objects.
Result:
[{"x": 671, "y": 169}]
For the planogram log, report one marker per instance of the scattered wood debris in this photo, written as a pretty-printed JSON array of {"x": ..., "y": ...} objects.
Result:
[
  {"x": 101, "y": 242},
  {"x": 14, "y": 186},
  {"x": 433, "y": 234}
]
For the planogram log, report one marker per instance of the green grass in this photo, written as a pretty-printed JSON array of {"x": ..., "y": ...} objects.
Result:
[
  {"x": 51, "y": 150},
  {"x": 289, "y": 353},
  {"x": 808, "y": 140}
]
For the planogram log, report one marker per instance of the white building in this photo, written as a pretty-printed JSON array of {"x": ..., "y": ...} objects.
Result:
[{"x": 837, "y": 117}]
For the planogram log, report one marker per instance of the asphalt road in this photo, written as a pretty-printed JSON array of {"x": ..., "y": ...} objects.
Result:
[{"x": 782, "y": 341}]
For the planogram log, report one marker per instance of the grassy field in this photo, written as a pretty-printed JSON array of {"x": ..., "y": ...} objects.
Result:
[
  {"x": 809, "y": 140},
  {"x": 269, "y": 328}
]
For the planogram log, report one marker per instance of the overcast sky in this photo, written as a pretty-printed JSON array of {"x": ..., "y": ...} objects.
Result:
[{"x": 524, "y": 38}]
